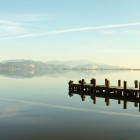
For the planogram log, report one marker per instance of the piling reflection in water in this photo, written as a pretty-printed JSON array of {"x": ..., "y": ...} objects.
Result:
[{"x": 107, "y": 92}]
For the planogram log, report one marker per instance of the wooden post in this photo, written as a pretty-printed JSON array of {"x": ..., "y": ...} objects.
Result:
[
  {"x": 119, "y": 83},
  {"x": 107, "y": 102},
  {"x": 125, "y": 85},
  {"x": 94, "y": 85},
  {"x": 119, "y": 101},
  {"x": 82, "y": 84},
  {"x": 105, "y": 82},
  {"x": 70, "y": 94},
  {"x": 83, "y": 97},
  {"x": 125, "y": 104},
  {"x": 136, "y": 104},
  {"x": 136, "y": 83},
  {"x": 71, "y": 85},
  {"x": 70, "y": 82},
  {"x": 80, "y": 81},
  {"x": 94, "y": 99},
  {"x": 93, "y": 81},
  {"x": 83, "y": 81}
]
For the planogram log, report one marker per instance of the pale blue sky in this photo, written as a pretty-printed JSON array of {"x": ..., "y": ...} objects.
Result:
[{"x": 104, "y": 31}]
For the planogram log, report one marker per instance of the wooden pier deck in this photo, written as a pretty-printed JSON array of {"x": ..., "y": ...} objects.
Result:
[
  {"x": 120, "y": 93},
  {"x": 93, "y": 87}
]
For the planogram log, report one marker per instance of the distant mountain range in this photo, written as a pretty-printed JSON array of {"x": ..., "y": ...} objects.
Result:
[
  {"x": 30, "y": 68},
  {"x": 77, "y": 64}
]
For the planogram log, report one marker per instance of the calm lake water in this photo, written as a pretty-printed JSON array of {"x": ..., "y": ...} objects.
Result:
[{"x": 39, "y": 108}]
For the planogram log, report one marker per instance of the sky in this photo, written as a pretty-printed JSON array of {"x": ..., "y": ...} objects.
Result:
[{"x": 104, "y": 31}]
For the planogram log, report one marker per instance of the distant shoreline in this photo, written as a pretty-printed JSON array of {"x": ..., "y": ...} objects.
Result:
[
  {"x": 104, "y": 69},
  {"x": 30, "y": 65}
]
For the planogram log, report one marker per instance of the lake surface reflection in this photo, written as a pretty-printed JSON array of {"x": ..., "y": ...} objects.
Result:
[{"x": 40, "y": 108}]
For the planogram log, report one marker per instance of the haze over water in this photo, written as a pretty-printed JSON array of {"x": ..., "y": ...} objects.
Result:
[{"x": 40, "y": 108}]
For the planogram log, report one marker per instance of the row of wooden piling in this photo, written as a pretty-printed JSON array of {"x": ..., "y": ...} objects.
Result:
[
  {"x": 93, "y": 85},
  {"x": 107, "y": 83}
]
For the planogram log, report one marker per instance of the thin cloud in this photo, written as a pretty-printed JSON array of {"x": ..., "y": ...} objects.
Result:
[
  {"x": 74, "y": 30},
  {"x": 123, "y": 32},
  {"x": 30, "y": 17},
  {"x": 10, "y": 27}
]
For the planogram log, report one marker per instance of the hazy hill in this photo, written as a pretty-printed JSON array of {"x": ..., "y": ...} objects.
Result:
[
  {"x": 77, "y": 64},
  {"x": 83, "y": 64},
  {"x": 71, "y": 63},
  {"x": 29, "y": 68}
]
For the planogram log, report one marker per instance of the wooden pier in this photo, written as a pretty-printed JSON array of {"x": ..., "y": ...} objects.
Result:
[
  {"x": 93, "y": 87},
  {"x": 120, "y": 93}
]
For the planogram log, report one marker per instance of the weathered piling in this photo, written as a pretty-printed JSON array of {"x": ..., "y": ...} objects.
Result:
[
  {"x": 83, "y": 97},
  {"x": 71, "y": 85},
  {"x": 107, "y": 101},
  {"x": 125, "y": 88},
  {"x": 70, "y": 82},
  {"x": 136, "y": 83},
  {"x": 83, "y": 82},
  {"x": 93, "y": 97},
  {"x": 125, "y": 104},
  {"x": 125, "y": 85},
  {"x": 119, "y": 83},
  {"x": 119, "y": 101},
  {"x": 106, "y": 82},
  {"x": 93, "y": 82},
  {"x": 136, "y": 104}
]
